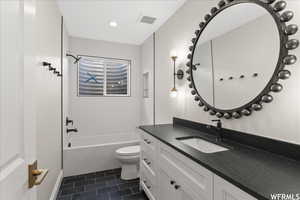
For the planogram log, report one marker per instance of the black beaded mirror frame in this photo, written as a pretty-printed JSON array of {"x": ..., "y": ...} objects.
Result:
[{"x": 280, "y": 72}]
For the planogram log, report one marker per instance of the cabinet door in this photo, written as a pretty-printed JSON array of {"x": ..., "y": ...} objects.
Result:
[
  {"x": 166, "y": 188},
  {"x": 226, "y": 191}
]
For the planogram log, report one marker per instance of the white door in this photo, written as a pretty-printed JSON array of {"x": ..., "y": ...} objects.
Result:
[{"x": 17, "y": 98}]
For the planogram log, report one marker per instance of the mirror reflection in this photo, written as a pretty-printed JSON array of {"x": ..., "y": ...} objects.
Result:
[{"x": 236, "y": 56}]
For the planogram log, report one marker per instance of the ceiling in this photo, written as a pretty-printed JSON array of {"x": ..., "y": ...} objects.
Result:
[{"x": 90, "y": 18}]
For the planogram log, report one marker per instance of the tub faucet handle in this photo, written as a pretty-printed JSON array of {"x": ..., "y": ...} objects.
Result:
[{"x": 69, "y": 121}]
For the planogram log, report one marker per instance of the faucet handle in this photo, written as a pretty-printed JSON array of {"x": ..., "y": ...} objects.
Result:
[
  {"x": 69, "y": 121},
  {"x": 219, "y": 123}
]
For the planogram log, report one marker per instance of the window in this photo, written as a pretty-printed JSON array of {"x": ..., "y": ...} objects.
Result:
[{"x": 103, "y": 76}]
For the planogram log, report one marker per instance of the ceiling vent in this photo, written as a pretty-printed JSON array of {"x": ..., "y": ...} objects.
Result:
[{"x": 148, "y": 20}]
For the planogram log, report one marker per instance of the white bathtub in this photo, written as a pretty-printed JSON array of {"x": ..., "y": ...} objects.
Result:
[{"x": 95, "y": 153}]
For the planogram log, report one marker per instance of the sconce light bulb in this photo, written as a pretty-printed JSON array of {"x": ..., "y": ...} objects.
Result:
[
  {"x": 173, "y": 54},
  {"x": 173, "y": 93}
]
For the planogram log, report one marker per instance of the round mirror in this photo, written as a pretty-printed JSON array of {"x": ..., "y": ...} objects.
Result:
[{"x": 237, "y": 57}]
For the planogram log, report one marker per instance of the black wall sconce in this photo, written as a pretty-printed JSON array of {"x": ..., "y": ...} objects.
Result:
[{"x": 179, "y": 74}]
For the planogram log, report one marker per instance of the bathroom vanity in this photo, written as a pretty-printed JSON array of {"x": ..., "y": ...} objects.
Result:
[
  {"x": 177, "y": 170},
  {"x": 240, "y": 54}
]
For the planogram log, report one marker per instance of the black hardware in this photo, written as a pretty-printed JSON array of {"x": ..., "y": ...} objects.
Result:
[
  {"x": 218, "y": 131},
  {"x": 172, "y": 182},
  {"x": 179, "y": 74},
  {"x": 46, "y": 64},
  {"x": 231, "y": 77},
  {"x": 177, "y": 187},
  {"x": 242, "y": 76},
  {"x": 69, "y": 144},
  {"x": 147, "y": 161},
  {"x": 72, "y": 130},
  {"x": 69, "y": 121},
  {"x": 76, "y": 58},
  {"x": 255, "y": 74},
  {"x": 147, "y": 141},
  {"x": 145, "y": 182},
  {"x": 219, "y": 123},
  {"x": 51, "y": 68}
]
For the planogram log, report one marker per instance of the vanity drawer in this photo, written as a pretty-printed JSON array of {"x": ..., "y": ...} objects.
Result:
[
  {"x": 190, "y": 174},
  {"x": 148, "y": 163},
  {"x": 148, "y": 186},
  {"x": 148, "y": 143}
]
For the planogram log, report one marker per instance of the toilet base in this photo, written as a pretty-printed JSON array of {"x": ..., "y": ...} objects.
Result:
[{"x": 129, "y": 171}]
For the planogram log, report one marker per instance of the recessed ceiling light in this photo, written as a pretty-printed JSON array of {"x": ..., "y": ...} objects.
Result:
[{"x": 113, "y": 24}]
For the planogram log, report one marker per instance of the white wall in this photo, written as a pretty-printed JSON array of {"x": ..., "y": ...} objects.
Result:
[
  {"x": 279, "y": 120},
  {"x": 105, "y": 115},
  {"x": 48, "y": 86}
]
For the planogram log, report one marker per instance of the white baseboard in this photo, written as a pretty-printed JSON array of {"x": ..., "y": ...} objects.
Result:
[{"x": 57, "y": 185}]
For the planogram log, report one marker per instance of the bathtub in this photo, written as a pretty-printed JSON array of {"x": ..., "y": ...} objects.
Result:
[{"x": 95, "y": 153}]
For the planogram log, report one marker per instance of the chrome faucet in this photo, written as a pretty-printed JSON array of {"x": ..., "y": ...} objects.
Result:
[
  {"x": 72, "y": 130},
  {"x": 219, "y": 130}
]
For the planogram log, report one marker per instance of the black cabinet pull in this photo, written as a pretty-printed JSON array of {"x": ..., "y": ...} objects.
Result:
[
  {"x": 147, "y": 186},
  {"x": 147, "y": 141},
  {"x": 172, "y": 182},
  {"x": 177, "y": 187},
  {"x": 147, "y": 161}
]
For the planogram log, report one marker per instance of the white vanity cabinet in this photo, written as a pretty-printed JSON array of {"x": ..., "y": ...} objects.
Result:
[{"x": 169, "y": 175}]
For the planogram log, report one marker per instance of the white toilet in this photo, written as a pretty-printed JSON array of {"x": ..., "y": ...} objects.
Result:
[{"x": 129, "y": 158}]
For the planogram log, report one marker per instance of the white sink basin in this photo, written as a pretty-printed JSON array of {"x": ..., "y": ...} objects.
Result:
[{"x": 202, "y": 145}]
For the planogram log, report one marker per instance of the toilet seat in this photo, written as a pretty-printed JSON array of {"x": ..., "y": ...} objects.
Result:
[{"x": 129, "y": 151}]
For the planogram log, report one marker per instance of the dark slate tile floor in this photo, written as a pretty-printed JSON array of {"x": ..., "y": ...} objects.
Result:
[{"x": 105, "y": 185}]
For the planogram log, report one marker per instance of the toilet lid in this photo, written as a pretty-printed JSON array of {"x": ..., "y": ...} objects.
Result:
[{"x": 128, "y": 151}]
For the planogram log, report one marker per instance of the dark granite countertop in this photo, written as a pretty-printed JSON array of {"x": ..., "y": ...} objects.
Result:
[{"x": 255, "y": 171}]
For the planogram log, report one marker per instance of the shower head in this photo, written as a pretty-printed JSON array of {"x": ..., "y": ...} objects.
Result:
[{"x": 76, "y": 58}]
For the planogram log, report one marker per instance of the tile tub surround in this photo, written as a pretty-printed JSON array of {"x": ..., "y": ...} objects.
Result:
[{"x": 105, "y": 185}]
